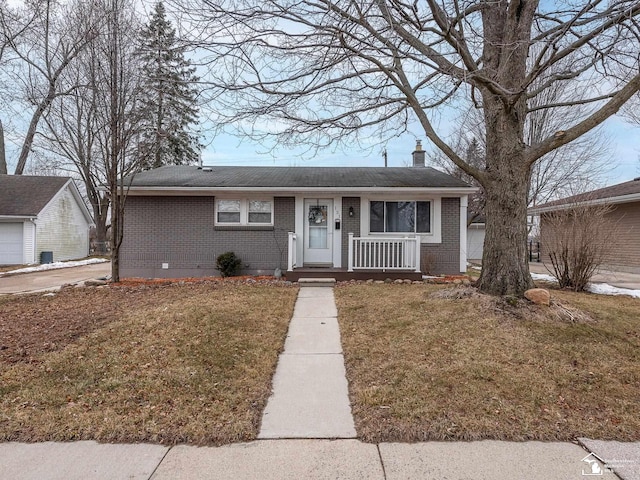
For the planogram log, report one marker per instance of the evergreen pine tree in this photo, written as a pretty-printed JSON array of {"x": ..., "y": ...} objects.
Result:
[{"x": 168, "y": 105}]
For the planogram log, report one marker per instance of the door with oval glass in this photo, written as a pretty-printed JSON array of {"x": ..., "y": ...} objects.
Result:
[{"x": 318, "y": 231}]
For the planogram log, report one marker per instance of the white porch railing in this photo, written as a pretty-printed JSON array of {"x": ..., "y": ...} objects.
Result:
[
  {"x": 384, "y": 253},
  {"x": 293, "y": 252}
]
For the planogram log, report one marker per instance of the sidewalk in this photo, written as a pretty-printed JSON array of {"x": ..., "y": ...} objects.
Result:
[{"x": 310, "y": 399}]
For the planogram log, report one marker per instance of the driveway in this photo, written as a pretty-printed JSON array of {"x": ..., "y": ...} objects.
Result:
[
  {"x": 617, "y": 279},
  {"x": 52, "y": 279}
]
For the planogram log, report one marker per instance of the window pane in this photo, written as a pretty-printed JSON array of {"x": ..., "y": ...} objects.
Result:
[
  {"x": 229, "y": 205},
  {"x": 228, "y": 211},
  {"x": 317, "y": 237},
  {"x": 259, "y": 211},
  {"x": 318, "y": 215},
  {"x": 376, "y": 217},
  {"x": 228, "y": 217},
  {"x": 259, "y": 206},
  {"x": 424, "y": 217},
  {"x": 400, "y": 216},
  {"x": 259, "y": 217}
]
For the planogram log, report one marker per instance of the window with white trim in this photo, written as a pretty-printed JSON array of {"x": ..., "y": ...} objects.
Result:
[
  {"x": 399, "y": 217},
  {"x": 244, "y": 211}
]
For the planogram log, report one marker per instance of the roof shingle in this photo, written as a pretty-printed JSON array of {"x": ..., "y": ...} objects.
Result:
[
  {"x": 24, "y": 195},
  {"x": 294, "y": 177}
]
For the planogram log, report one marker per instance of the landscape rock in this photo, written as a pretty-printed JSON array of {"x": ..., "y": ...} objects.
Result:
[
  {"x": 539, "y": 296},
  {"x": 397, "y": 281},
  {"x": 94, "y": 283}
]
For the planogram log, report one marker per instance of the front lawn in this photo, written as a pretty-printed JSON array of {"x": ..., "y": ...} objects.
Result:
[
  {"x": 423, "y": 367},
  {"x": 181, "y": 363}
]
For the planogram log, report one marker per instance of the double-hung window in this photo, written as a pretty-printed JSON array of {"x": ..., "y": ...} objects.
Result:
[
  {"x": 399, "y": 217},
  {"x": 244, "y": 211}
]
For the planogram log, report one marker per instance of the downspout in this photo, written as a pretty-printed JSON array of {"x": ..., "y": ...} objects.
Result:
[{"x": 35, "y": 240}]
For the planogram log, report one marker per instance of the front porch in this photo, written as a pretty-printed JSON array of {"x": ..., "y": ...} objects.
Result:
[
  {"x": 342, "y": 274},
  {"x": 376, "y": 258}
]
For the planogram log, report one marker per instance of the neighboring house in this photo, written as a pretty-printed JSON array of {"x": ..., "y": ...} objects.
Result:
[
  {"x": 475, "y": 239},
  {"x": 624, "y": 199},
  {"x": 178, "y": 219},
  {"x": 41, "y": 214}
]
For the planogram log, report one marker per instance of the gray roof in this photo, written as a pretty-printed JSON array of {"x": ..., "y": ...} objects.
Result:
[
  {"x": 294, "y": 177},
  {"x": 24, "y": 195},
  {"x": 616, "y": 192}
]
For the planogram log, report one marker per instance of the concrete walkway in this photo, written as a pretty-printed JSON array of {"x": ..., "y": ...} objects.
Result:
[
  {"x": 310, "y": 396},
  {"x": 51, "y": 279}
]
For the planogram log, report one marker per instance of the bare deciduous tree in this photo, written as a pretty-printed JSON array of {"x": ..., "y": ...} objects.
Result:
[
  {"x": 44, "y": 39},
  {"x": 121, "y": 89},
  {"x": 328, "y": 71}
]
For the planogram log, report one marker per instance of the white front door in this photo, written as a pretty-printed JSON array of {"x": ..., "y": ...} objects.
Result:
[{"x": 318, "y": 231}]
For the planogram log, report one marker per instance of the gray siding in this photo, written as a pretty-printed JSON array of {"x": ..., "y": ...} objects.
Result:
[
  {"x": 444, "y": 258},
  {"x": 180, "y": 231}
]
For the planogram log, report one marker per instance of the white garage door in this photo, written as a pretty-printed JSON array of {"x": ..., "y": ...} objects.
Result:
[{"x": 11, "y": 243}]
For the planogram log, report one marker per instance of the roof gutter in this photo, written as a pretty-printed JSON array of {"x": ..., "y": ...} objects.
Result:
[
  {"x": 18, "y": 217},
  {"x": 208, "y": 191}
]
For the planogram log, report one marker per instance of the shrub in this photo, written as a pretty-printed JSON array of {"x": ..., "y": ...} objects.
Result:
[
  {"x": 578, "y": 240},
  {"x": 228, "y": 264}
]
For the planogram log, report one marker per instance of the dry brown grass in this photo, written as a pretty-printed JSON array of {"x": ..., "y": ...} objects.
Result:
[
  {"x": 427, "y": 368},
  {"x": 193, "y": 367}
]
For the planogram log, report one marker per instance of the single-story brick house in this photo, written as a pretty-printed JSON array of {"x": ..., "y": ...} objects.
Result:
[
  {"x": 42, "y": 214},
  {"x": 178, "y": 219},
  {"x": 624, "y": 198}
]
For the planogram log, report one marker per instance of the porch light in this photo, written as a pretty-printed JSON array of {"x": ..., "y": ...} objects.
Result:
[{"x": 351, "y": 211}]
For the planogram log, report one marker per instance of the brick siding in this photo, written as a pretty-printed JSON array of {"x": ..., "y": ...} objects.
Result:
[
  {"x": 180, "y": 231},
  {"x": 444, "y": 258}
]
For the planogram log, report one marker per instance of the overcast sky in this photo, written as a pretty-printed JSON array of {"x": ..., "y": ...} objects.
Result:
[{"x": 231, "y": 150}]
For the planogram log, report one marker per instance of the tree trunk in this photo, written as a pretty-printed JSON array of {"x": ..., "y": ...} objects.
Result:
[
  {"x": 3, "y": 159},
  {"x": 505, "y": 268},
  {"x": 100, "y": 218}
]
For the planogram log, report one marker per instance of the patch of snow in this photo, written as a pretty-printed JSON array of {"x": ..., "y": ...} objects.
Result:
[
  {"x": 606, "y": 289},
  {"x": 544, "y": 277},
  {"x": 599, "y": 288},
  {"x": 56, "y": 265},
  {"x": 476, "y": 268}
]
